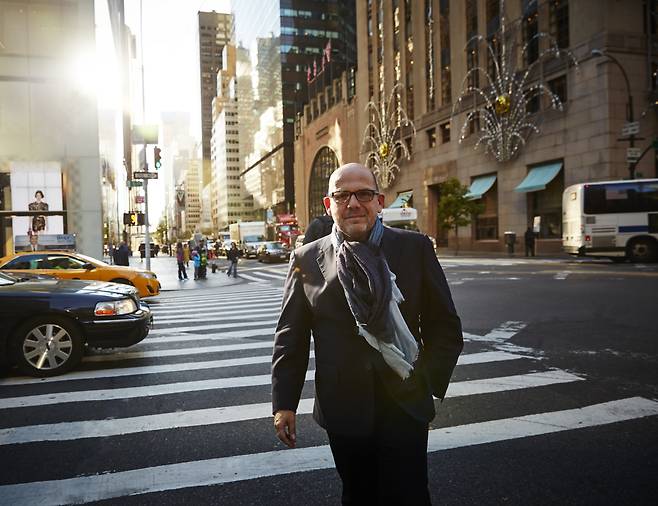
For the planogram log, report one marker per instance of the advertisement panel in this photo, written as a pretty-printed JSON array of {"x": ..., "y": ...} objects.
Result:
[{"x": 36, "y": 186}]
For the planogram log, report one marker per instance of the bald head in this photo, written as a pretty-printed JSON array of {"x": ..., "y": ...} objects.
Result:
[{"x": 347, "y": 172}]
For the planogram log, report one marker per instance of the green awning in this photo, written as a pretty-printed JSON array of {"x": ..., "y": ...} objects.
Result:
[
  {"x": 402, "y": 199},
  {"x": 480, "y": 186},
  {"x": 539, "y": 177}
]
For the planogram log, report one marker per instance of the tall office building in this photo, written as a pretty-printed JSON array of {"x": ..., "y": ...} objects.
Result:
[
  {"x": 215, "y": 31},
  {"x": 291, "y": 45}
]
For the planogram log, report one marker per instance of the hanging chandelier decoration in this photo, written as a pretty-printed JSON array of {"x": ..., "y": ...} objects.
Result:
[
  {"x": 382, "y": 141},
  {"x": 500, "y": 103}
]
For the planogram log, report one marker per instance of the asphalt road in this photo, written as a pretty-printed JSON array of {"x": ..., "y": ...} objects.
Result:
[{"x": 555, "y": 400}]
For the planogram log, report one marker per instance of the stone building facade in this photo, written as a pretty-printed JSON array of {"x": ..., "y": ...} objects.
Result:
[{"x": 423, "y": 46}]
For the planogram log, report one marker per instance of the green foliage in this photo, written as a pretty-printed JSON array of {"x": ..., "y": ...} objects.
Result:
[
  {"x": 160, "y": 232},
  {"x": 454, "y": 209}
]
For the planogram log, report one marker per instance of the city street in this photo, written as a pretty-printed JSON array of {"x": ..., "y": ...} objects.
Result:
[{"x": 554, "y": 400}]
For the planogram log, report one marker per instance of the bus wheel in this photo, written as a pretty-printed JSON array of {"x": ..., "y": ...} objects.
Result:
[{"x": 642, "y": 250}]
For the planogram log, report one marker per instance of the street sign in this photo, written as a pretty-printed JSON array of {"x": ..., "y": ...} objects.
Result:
[
  {"x": 630, "y": 128},
  {"x": 139, "y": 199},
  {"x": 134, "y": 184},
  {"x": 145, "y": 175},
  {"x": 144, "y": 134},
  {"x": 633, "y": 154}
]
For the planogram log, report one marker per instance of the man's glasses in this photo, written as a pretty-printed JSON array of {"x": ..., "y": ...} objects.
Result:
[{"x": 343, "y": 197}]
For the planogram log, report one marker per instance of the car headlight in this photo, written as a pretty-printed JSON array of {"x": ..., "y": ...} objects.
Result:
[
  {"x": 148, "y": 275},
  {"x": 115, "y": 308}
]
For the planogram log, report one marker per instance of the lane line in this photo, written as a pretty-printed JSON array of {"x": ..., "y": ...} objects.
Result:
[
  {"x": 232, "y": 309},
  {"x": 271, "y": 275},
  {"x": 252, "y": 278},
  {"x": 256, "y": 297},
  {"x": 195, "y": 328},
  {"x": 515, "y": 382},
  {"x": 258, "y": 465},
  {"x": 253, "y": 314},
  {"x": 222, "y": 336},
  {"x": 469, "y": 359}
]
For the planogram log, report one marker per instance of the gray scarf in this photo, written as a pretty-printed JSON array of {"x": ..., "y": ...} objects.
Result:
[{"x": 373, "y": 297}]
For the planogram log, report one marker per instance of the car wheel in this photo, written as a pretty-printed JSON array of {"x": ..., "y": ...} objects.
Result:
[
  {"x": 48, "y": 346},
  {"x": 642, "y": 250},
  {"x": 122, "y": 281}
]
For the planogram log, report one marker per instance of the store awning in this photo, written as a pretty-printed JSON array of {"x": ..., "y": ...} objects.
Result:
[
  {"x": 480, "y": 186},
  {"x": 402, "y": 199},
  {"x": 539, "y": 177}
]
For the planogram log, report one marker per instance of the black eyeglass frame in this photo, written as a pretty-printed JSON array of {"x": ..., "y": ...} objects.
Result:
[{"x": 372, "y": 194}]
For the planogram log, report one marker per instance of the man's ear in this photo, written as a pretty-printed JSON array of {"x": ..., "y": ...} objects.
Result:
[
  {"x": 327, "y": 205},
  {"x": 380, "y": 199}
]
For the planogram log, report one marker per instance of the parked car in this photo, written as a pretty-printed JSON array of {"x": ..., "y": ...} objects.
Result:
[
  {"x": 46, "y": 323},
  {"x": 273, "y": 251},
  {"x": 251, "y": 245},
  {"x": 67, "y": 265}
]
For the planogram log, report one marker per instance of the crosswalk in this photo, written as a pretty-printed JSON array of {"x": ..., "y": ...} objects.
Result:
[{"x": 164, "y": 415}]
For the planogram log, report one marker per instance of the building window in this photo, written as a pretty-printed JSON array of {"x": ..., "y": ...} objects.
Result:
[
  {"x": 429, "y": 54},
  {"x": 324, "y": 164},
  {"x": 472, "y": 46},
  {"x": 409, "y": 59},
  {"x": 558, "y": 20},
  {"x": 547, "y": 204},
  {"x": 431, "y": 137},
  {"x": 409, "y": 144},
  {"x": 558, "y": 86},
  {"x": 532, "y": 106},
  {"x": 474, "y": 123},
  {"x": 530, "y": 30},
  {"x": 444, "y": 38},
  {"x": 445, "y": 132},
  {"x": 493, "y": 24},
  {"x": 486, "y": 223}
]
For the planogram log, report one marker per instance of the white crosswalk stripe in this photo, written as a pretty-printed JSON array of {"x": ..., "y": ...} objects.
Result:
[{"x": 218, "y": 344}]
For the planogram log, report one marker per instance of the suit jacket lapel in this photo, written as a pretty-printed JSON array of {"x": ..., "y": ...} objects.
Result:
[{"x": 392, "y": 250}]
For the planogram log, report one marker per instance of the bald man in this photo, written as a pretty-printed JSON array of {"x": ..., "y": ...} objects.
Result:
[{"x": 386, "y": 339}]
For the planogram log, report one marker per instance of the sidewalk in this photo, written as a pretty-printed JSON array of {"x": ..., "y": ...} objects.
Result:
[
  {"x": 166, "y": 268},
  {"x": 518, "y": 255}
]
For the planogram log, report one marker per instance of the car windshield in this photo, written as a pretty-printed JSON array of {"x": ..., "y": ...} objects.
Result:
[
  {"x": 6, "y": 280},
  {"x": 253, "y": 238},
  {"x": 275, "y": 245},
  {"x": 90, "y": 260}
]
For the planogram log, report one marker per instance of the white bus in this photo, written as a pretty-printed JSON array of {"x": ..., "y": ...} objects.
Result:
[{"x": 614, "y": 219}]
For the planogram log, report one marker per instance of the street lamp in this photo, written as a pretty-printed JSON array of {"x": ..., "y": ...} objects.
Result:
[{"x": 629, "y": 103}]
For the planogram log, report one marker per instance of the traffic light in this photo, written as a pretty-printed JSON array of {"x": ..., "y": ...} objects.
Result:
[
  {"x": 156, "y": 157},
  {"x": 140, "y": 219},
  {"x": 131, "y": 218}
]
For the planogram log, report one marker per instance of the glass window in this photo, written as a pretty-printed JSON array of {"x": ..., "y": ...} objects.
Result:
[
  {"x": 324, "y": 164},
  {"x": 486, "y": 223},
  {"x": 25, "y": 262},
  {"x": 559, "y": 87},
  {"x": 444, "y": 35},
  {"x": 445, "y": 132},
  {"x": 621, "y": 198},
  {"x": 530, "y": 30},
  {"x": 431, "y": 137},
  {"x": 547, "y": 204},
  {"x": 61, "y": 262},
  {"x": 559, "y": 21}
]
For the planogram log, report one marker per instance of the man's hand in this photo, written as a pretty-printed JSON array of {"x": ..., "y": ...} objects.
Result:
[{"x": 284, "y": 424}]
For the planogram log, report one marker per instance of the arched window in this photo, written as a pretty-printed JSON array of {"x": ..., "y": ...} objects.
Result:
[{"x": 324, "y": 164}]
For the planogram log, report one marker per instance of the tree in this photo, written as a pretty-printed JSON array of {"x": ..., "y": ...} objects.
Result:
[
  {"x": 455, "y": 209},
  {"x": 161, "y": 231}
]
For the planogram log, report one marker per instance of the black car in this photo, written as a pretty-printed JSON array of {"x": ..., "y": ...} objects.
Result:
[
  {"x": 273, "y": 251},
  {"x": 46, "y": 323}
]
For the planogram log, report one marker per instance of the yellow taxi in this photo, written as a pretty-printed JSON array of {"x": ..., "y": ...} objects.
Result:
[{"x": 67, "y": 265}]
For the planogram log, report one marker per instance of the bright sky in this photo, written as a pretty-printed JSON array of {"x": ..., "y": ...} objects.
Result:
[{"x": 171, "y": 67}]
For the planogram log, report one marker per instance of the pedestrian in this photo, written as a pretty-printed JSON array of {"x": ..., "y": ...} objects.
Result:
[
  {"x": 319, "y": 227},
  {"x": 374, "y": 382},
  {"x": 186, "y": 254},
  {"x": 142, "y": 252},
  {"x": 529, "y": 237},
  {"x": 233, "y": 254},
  {"x": 123, "y": 254},
  {"x": 196, "y": 259},
  {"x": 180, "y": 259}
]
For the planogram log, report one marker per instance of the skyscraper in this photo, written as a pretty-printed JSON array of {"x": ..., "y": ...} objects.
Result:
[
  {"x": 292, "y": 45},
  {"x": 215, "y": 31}
]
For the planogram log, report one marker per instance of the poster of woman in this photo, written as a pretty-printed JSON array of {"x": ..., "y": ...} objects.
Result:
[{"x": 39, "y": 221}]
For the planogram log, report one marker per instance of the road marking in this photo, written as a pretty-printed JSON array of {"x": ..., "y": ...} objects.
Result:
[
  {"x": 271, "y": 275},
  {"x": 223, "y": 308},
  {"x": 258, "y": 465},
  {"x": 116, "y": 356},
  {"x": 252, "y": 315},
  {"x": 468, "y": 359},
  {"x": 256, "y": 296},
  {"x": 218, "y": 336},
  {"x": 455, "y": 389},
  {"x": 192, "y": 418},
  {"x": 562, "y": 275},
  {"x": 252, "y": 278},
  {"x": 174, "y": 330},
  {"x": 181, "y": 295}
]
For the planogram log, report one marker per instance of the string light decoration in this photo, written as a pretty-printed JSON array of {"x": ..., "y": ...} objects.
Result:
[
  {"x": 382, "y": 141},
  {"x": 501, "y": 104}
]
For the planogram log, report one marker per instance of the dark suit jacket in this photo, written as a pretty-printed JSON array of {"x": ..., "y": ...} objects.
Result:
[{"x": 346, "y": 367}]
